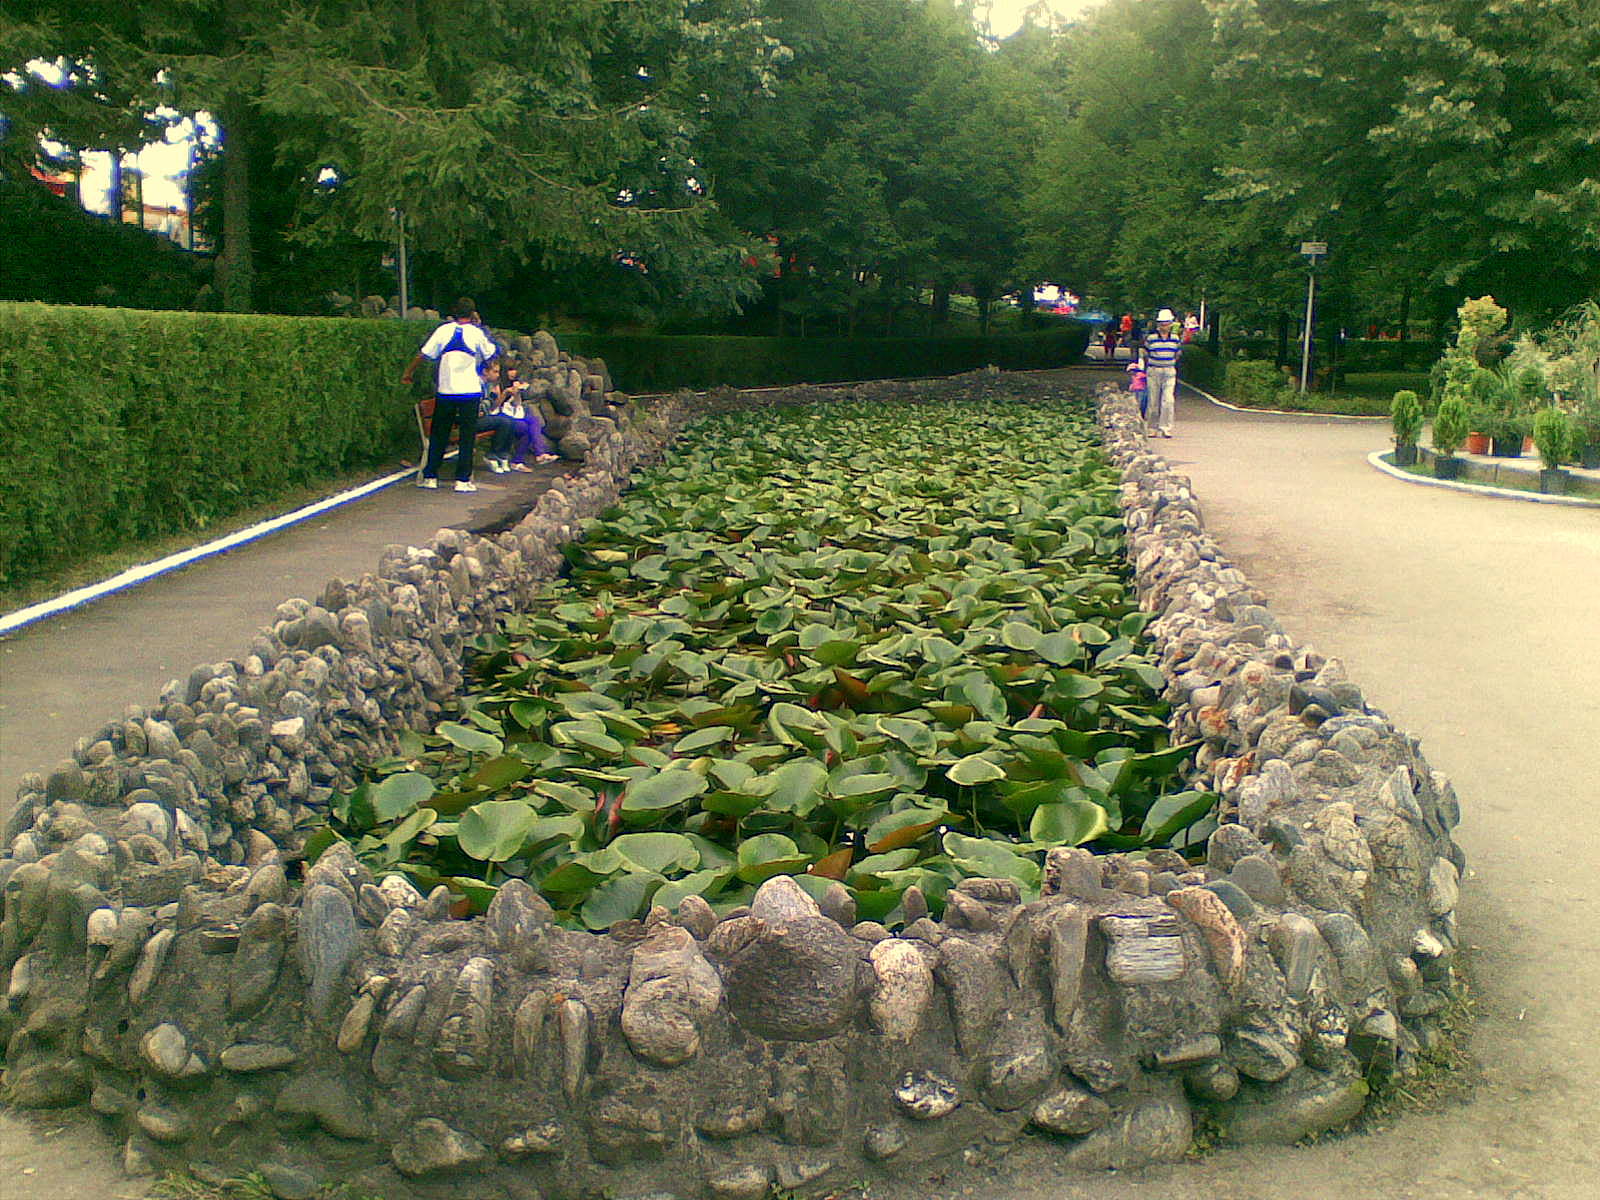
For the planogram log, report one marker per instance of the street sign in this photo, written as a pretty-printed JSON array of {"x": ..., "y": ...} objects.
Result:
[{"x": 1313, "y": 249}]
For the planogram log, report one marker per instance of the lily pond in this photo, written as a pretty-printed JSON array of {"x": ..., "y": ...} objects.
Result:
[{"x": 886, "y": 645}]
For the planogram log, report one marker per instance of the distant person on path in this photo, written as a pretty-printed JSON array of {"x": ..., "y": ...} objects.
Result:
[
  {"x": 1108, "y": 342},
  {"x": 461, "y": 349},
  {"x": 1125, "y": 326},
  {"x": 1138, "y": 384},
  {"x": 1162, "y": 350}
]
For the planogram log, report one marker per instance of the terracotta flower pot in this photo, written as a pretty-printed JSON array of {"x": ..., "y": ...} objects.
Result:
[{"x": 1477, "y": 443}]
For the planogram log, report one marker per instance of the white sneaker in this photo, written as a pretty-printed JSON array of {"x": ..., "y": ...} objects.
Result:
[
  {"x": 425, "y": 482},
  {"x": 466, "y": 485}
]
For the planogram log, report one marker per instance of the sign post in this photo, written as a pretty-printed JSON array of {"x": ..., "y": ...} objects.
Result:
[{"x": 1312, "y": 251}]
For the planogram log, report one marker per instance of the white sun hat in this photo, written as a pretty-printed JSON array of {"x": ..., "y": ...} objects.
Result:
[{"x": 1165, "y": 315}]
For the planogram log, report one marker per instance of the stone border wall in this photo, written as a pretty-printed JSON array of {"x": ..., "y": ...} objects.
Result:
[{"x": 161, "y": 967}]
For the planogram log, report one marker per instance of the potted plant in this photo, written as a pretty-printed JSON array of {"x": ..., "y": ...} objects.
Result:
[
  {"x": 1449, "y": 430},
  {"x": 1586, "y": 437},
  {"x": 1405, "y": 416},
  {"x": 1552, "y": 434}
]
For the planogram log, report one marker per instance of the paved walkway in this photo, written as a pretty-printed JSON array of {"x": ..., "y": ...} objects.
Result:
[
  {"x": 1472, "y": 621},
  {"x": 64, "y": 677}
]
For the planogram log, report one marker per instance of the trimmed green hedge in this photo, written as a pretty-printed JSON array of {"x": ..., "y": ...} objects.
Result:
[
  {"x": 125, "y": 424},
  {"x": 1200, "y": 368},
  {"x": 662, "y": 362}
]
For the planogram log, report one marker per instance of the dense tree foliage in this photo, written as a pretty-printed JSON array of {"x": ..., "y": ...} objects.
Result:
[
  {"x": 1440, "y": 146},
  {"x": 849, "y": 157}
]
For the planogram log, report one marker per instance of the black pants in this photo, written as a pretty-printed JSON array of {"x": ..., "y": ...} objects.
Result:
[{"x": 448, "y": 414}]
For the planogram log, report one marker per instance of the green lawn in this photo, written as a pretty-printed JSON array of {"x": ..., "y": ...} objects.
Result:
[{"x": 1360, "y": 395}]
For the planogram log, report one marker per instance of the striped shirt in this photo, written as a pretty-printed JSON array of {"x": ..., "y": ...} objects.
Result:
[{"x": 1162, "y": 350}]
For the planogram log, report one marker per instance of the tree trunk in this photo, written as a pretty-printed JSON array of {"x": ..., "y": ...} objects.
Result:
[
  {"x": 1214, "y": 331},
  {"x": 116, "y": 187},
  {"x": 1405, "y": 322},
  {"x": 983, "y": 316},
  {"x": 1283, "y": 341},
  {"x": 235, "y": 265},
  {"x": 941, "y": 305}
]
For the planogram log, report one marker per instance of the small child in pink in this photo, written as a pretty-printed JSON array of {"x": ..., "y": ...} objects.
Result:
[{"x": 1139, "y": 384}]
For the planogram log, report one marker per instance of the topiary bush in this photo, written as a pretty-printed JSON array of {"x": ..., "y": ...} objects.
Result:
[
  {"x": 1553, "y": 436},
  {"x": 1405, "y": 416},
  {"x": 1450, "y": 425}
]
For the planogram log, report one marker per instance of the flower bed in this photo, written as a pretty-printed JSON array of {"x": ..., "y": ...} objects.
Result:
[{"x": 878, "y": 646}]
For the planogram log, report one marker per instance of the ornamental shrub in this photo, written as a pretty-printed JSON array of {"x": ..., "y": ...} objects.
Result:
[
  {"x": 1450, "y": 425},
  {"x": 1553, "y": 435},
  {"x": 1253, "y": 383},
  {"x": 124, "y": 425},
  {"x": 1405, "y": 415}
]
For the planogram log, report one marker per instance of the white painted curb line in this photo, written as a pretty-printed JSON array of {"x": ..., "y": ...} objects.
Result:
[
  {"x": 18, "y": 619},
  {"x": 1279, "y": 412},
  {"x": 1477, "y": 489}
]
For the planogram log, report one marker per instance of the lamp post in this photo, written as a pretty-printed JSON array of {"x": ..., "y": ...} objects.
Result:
[
  {"x": 1312, "y": 251},
  {"x": 405, "y": 287}
]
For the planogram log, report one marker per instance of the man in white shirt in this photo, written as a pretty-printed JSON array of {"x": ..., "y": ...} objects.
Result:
[{"x": 460, "y": 348}]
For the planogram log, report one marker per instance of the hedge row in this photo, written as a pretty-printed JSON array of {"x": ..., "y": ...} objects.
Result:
[
  {"x": 123, "y": 425},
  {"x": 663, "y": 362}
]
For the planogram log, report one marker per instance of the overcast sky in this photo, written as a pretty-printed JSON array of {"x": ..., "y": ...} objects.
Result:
[{"x": 1006, "y": 17}]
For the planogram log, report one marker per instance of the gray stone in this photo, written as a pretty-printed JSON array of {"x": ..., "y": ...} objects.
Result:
[
  {"x": 1159, "y": 1130},
  {"x": 1298, "y": 947},
  {"x": 572, "y": 1027},
  {"x": 1073, "y": 871},
  {"x": 463, "y": 1046},
  {"x": 977, "y": 986},
  {"x": 253, "y": 969},
  {"x": 1235, "y": 897},
  {"x": 1305, "y": 1102},
  {"x": 1212, "y": 1082},
  {"x": 926, "y": 1096},
  {"x": 746, "y": 1181},
  {"x": 519, "y": 921},
  {"x": 328, "y": 937},
  {"x": 1443, "y": 887},
  {"x": 246, "y": 1057},
  {"x": 289, "y": 1183},
  {"x": 53, "y": 1083},
  {"x": 326, "y": 1102},
  {"x": 1071, "y": 1111},
  {"x": 672, "y": 992},
  {"x": 629, "y": 1126},
  {"x": 801, "y": 1170},
  {"x": 1191, "y": 1050},
  {"x": 395, "y": 1034},
  {"x": 544, "y": 1138},
  {"x": 838, "y": 905},
  {"x": 151, "y": 959},
  {"x": 883, "y": 1142},
  {"x": 1257, "y": 875},
  {"x": 430, "y": 1147},
  {"x": 902, "y": 991},
  {"x": 353, "y": 1029},
  {"x": 1262, "y": 1054},
  {"x": 1143, "y": 949},
  {"x": 1019, "y": 1071},
  {"x": 165, "y": 1125},
  {"x": 799, "y": 981},
  {"x": 780, "y": 900},
  {"x": 166, "y": 1051},
  {"x": 697, "y": 916}
]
